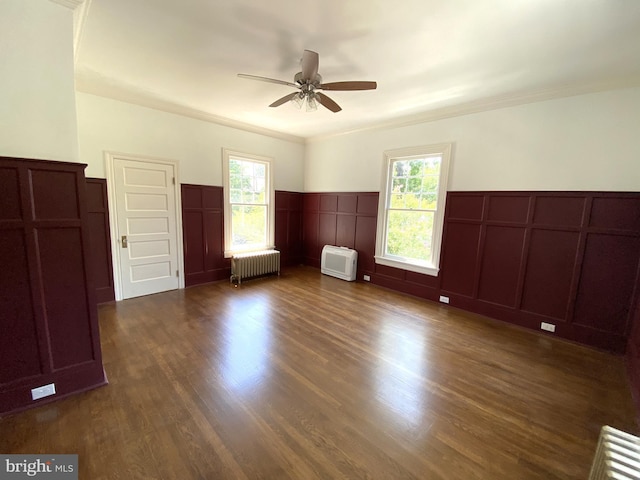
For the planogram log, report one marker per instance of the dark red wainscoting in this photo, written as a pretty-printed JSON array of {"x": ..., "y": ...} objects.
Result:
[
  {"x": 343, "y": 219},
  {"x": 98, "y": 210},
  {"x": 48, "y": 317},
  {"x": 288, "y": 227},
  {"x": 203, "y": 234},
  {"x": 566, "y": 258},
  {"x": 350, "y": 220}
]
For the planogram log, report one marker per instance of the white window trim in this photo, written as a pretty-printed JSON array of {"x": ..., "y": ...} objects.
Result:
[
  {"x": 438, "y": 223},
  {"x": 271, "y": 211}
]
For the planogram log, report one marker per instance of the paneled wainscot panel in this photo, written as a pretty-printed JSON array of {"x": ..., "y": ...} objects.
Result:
[
  {"x": 501, "y": 265},
  {"x": 19, "y": 349},
  {"x": 288, "y": 227},
  {"x": 98, "y": 210},
  {"x": 48, "y": 315},
  {"x": 461, "y": 258},
  {"x": 203, "y": 234},
  {"x": 609, "y": 270},
  {"x": 550, "y": 269}
]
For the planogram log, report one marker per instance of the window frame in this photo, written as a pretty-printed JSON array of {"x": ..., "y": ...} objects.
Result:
[
  {"x": 389, "y": 157},
  {"x": 227, "y": 155}
]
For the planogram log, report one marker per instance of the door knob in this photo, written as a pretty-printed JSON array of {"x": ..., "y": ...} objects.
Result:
[{"x": 124, "y": 241}]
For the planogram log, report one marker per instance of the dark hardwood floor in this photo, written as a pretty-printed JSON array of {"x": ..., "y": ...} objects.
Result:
[{"x": 309, "y": 377}]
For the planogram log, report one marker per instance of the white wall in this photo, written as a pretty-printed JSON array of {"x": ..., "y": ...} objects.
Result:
[
  {"x": 37, "y": 97},
  {"x": 111, "y": 125},
  {"x": 587, "y": 142}
]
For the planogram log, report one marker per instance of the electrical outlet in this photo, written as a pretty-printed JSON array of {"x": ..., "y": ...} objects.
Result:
[
  {"x": 444, "y": 299},
  {"x": 43, "y": 391},
  {"x": 367, "y": 278},
  {"x": 549, "y": 327}
]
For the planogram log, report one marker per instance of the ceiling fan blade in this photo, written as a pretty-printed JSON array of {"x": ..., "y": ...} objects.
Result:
[
  {"x": 269, "y": 80},
  {"x": 348, "y": 86},
  {"x": 309, "y": 65},
  {"x": 327, "y": 102},
  {"x": 284, "y": 99}
]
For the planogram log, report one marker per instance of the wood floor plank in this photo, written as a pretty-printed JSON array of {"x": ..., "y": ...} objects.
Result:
[{"x": 305, "y": 376}]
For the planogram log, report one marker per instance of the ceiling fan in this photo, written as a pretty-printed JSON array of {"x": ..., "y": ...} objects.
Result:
[{"x": 308, "y": 82}]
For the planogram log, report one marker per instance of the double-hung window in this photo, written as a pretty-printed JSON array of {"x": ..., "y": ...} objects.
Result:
[
  {"x": 248, "y": 202},
  {"x": 411, "y": 210}
]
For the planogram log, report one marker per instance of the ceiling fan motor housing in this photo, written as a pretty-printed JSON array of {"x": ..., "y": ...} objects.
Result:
[{"x": 302, "y": 81}]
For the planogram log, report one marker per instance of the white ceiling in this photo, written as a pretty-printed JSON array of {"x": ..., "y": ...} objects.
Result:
[{"x": 431, "y": 58}]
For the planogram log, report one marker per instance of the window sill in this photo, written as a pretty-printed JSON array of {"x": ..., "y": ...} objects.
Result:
[
  {"x": 411, "y": 267},
  {"x": 231, "y": 253}
]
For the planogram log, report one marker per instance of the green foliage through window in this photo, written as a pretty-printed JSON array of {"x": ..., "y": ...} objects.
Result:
[
  {"x": 249, "y": 225},
  {"x": 412, "y": 202},
  {"x": 248, "y": 197}
]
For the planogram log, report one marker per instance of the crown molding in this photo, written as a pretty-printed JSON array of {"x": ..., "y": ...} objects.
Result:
[
  {"x": 79, "y": 20},
  {"x": 72, "y": 4},
  {"x": 490, "y": 103},
  {"x": 115, "y": 91}
]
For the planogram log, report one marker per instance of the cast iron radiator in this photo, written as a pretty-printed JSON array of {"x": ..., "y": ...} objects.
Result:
[
  {"x": 254, "y": 264},
  {"x": 617, "y": 456}
]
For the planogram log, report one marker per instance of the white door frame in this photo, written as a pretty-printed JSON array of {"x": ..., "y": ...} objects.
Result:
[{"x": 109, "y": 158}]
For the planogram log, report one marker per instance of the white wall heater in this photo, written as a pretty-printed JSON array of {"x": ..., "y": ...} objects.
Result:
[
  {"x": 340, "y": 262},
  {"x": 617, "y": 456}
]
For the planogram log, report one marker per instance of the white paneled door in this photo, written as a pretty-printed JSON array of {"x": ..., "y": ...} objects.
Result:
[{"x": 147, "y": 227}]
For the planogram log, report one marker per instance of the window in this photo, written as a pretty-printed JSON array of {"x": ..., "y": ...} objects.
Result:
[
  {"x": 411, "y": 211},
  {"x": 248, "y": 202}
]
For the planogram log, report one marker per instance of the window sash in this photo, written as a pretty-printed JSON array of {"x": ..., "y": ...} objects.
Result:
[
  {"x": 429, "y": 263},
  {"x": 255, "y": 173},
  {"x": 245, "y": 233},
  {"x": 419, "y": 248}
]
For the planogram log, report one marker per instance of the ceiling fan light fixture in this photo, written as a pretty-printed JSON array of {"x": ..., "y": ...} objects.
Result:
[
  {"x": 312, "y": 104},
  {"x": 298, "y": 100}
]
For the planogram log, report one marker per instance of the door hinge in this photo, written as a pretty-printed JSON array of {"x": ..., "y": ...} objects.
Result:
[
  {"x": 177, "y": 273},
  {"x": 173, "y": 180}
]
